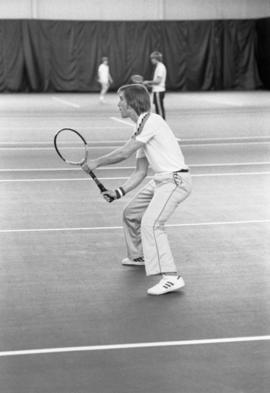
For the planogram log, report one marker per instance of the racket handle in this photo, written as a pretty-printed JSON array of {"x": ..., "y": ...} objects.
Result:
[{"x": 101, "y": 186}]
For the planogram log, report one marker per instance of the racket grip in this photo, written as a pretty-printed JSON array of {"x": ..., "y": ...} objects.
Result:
[
  {"x": 103, "y": 190},
  {"x": 101, "y": 187},
  {"x": 108, "y": 198}
]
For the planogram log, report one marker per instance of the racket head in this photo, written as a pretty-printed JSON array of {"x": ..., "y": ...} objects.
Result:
[
  {"x": 71, "y": 146},
  {"x": 136, "y": 78}
]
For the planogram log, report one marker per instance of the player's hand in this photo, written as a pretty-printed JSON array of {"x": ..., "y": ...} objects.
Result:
[{"x": 109, "y": 195}]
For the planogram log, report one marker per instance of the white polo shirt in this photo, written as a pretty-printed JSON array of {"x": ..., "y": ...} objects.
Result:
[
  {"x": 103, "y": 73},
  {"x": 160, "y": 145},
  {"x": 160, "y": 71}
]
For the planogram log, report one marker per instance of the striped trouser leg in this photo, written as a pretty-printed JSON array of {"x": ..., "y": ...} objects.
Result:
[
  {"x": 132, "y": 217},
  {"x": 157, "y": 253},
  {"x": 158, "y": 99}
]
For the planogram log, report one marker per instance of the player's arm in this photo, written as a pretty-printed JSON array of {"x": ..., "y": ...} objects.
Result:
[
  {"x": 98, "y": 74},
  {"x": 155, "y": 81},
  {"x": 117, "y": 155},
  {"x": 133, "y": 181}
]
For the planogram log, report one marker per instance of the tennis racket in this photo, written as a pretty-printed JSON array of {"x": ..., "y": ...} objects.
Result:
[
  {"x": 72, "y": 148},
  {"x": 136, "y": 78}
]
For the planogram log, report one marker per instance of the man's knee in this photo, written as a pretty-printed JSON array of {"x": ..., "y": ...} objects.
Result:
[
  {"x": 151, "y": 224},
  {"x": 129, "y": 214},
  {"x": 126, "y": 213},
  {"x": 148, "y": 223}
]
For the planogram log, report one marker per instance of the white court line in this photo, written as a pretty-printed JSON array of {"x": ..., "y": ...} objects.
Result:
[
  {"x": 107, "y": 142},
  {"x": 196, "y": 224},
  {"x": 123, "y": 121},
  {"x": 156, "y": 344},
  {"x": 242, "y": 138},
  {"x": 229, "y": 164},
  {"x": 115, "y": 146},
  {"x": 223, "y": 143},
  {"x": 126, "y": 177},
  {"x": 52, "y": 148},
  {"x": 231, "y": 174},
  {"x": 89, "y": 126},
  {"x": 66, "y": 102},
  {"x": 220, "y": 101},
  {"x": 131, "y": 167}
]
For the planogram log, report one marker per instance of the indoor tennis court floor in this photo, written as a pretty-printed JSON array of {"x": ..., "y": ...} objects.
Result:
[{"x": 72, "y": 318}]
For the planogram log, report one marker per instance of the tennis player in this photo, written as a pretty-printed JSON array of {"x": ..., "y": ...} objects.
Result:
[
  {"x": 146, "y": 213},
  {"x": 158, "y": 83},
  {"x": 104, "y": 78}
]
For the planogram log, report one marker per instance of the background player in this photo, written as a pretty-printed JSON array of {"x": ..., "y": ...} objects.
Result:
[
  {"x": 146, "y": 213},
  {"x": 158, "y": 83},
  {"x": 104, "y": 78}
]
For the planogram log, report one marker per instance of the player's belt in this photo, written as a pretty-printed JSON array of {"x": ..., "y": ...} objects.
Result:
[{"x": 182, "y": 170}]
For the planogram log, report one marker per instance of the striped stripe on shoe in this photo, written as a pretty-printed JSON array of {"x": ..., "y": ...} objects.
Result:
[{"x": 167, "y": 284}]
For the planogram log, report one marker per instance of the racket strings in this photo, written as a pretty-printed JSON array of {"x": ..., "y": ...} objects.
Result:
[
  {"x": 71, "y": 147},
  {"x": 136, "y": 78}
]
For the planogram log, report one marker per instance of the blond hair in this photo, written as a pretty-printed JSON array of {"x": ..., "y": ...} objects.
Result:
[
  {"x": 156, "y": 55},
  {"x": 137, "y": 97}
]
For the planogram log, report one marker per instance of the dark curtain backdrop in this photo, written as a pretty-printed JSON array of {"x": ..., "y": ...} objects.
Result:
[
  {"x": 43, "y": 56},
  {"x": 263, "y": 51}
]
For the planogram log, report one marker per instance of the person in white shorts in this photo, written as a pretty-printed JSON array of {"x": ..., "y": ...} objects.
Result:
[
  {"x": 147, "y": 211},
  {"x": 104, "y": 78},
  {"x": 158, "y": 83}
]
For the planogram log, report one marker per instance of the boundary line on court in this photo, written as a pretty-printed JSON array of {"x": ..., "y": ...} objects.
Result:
[
  {"x": 126, "y": 177},
  {"x": 52, "y": 148},
  {"x": 225, "y": 138},
  {"x": 85, "y": 129},
  {"x": 194, "y": 224},
  {"x": 65, "y": 102},
  {"x": 132, "y": 167},
  {"x": 182, "y": 140},
  {"x": 157, "y": 344},
  {"x": 122, "y": 121},
  {"x": 114, "y": 146}
]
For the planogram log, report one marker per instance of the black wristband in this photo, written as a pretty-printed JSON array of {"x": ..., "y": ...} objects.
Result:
[{"x": 120, "y": 192}]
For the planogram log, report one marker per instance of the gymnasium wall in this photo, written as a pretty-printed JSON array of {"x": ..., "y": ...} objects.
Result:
[
  {"x": 40, "y": 51},
  {"x": 134, "y": 9},
  {"x": 263, "y": 51},
  {"x": 39, "y": 56}
]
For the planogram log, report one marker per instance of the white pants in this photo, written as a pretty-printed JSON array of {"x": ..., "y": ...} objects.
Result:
[
  {"x": 104, "y": 88},
  {"x": 144, "y": 218}
]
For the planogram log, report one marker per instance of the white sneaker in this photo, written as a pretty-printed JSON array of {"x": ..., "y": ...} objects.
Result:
[
  {"x": 133, "y": 262},
  {"x": 167, "y": 284}
]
